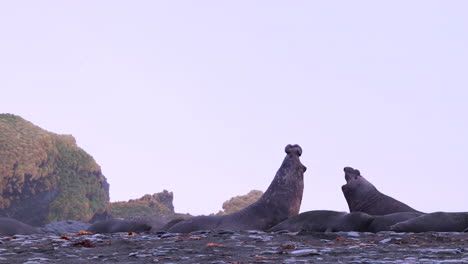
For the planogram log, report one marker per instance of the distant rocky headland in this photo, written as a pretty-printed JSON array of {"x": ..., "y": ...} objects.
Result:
[
  {"x": 156, "y": 204},
  {"x": 238, "y": 203}
]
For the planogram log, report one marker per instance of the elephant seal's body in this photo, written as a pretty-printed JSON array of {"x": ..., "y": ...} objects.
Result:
[
  {"x": 325, "y": 221},
  {"x": 281, "y": 200},
  {"x": 11, "y": 226},
  {"x": 436, "y": 222},
  {"x": 119, "y": 225},
  {"x": 332, "y": 221},
  {"x": 384, "y": 222},
  {"x": 362, "y": 196}
]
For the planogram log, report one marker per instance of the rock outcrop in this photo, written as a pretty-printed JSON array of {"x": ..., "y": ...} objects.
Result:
[
  {"x": 238, "y": 203},
  {"x": 46, "y": 177},
  {"x": 157, "y": 204}
]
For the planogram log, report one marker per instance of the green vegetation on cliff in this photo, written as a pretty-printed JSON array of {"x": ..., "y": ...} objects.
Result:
[
  {"x": 156, "y": 204},
  {"x": 240, "y": 202},
  {"x": 81, "y": 192},
  {"x": 37, "y": 163}
]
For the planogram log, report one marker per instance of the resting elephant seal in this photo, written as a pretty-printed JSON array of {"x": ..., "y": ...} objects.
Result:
[
  {"x": 332, "y": 221},
  {"x": 170, "y": 224},
  {"x": 11, "y": 226},
  {"x": 119, "y": 225},
  {"x": 436, "y": 222},
  {"x": 384, "y": 222},
  {"x": 325, "y": 221},
  {"x": 362, "y": 196},
  {"x": 281, "y": 200}
]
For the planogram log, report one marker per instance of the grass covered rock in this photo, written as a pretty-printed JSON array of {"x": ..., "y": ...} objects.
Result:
[{"x": 46, "y": 177}]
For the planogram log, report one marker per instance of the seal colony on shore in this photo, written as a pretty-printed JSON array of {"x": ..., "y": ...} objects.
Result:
[
  {"x": 281, "y": 200},
  {"x": 370, "y": 211},
  {"x": 278, "y": 209}
]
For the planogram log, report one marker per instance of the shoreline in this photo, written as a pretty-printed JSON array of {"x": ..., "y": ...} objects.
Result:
[{"x": 218, "y": 247}]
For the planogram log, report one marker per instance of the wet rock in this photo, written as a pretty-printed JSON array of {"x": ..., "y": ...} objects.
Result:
[
  {"x": 281, "y": 232},
  {"x": 386, "y": 240},
  {"x": 270, "y": 252},
  {"x": 304, "y": 252},
  {"x": 353, "y": 234},
  {"x": 444, "y": 251},
  {"x": 167, "y": 235},
  {"x": 254, "y": 232},
  {"x": 226, "y": 232},
  {"x": 200, "y": 232},
  {"x": 143, "y": 255}
]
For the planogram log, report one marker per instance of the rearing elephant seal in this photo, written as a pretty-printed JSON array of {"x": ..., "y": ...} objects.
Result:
[
  {"x": 281, "y": 200},
  {"x": 362, "y": 196}
]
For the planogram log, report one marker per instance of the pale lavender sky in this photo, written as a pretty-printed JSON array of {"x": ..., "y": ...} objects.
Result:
[{"x": 200, "y": 97}]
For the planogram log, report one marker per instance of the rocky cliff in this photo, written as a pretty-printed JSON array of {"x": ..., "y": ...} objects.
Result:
[
  {"x": 46, "y": 177},
  {"x": 156, "y": 204},
  {"x": 238, "y": 203}
]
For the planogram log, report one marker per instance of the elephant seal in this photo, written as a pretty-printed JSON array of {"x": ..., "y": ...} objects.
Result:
[
  {"x": 362, "y": 196},
  {"x": 332, "y": 221},
  {"x": 11, "y": 226},
  {"x": 436, "y": 222},
  {"x": 384, "y": 222},
  {"x": 65, "y": 227},
  {"x": 119, "y": 225},
  {"x": 325, "y": 221},
  {"x": 170, "y": 224},
  {"x": 281, "y": 200}
]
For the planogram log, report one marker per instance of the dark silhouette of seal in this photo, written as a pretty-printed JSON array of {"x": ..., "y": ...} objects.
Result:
[
  {"x": 119, "y": 225},
  {"x": 436, "y": 222},
  {"x": 362, "y": 196},
  {"x": 333, "y": 221},
  {"x": 169, "y": 224},
  {"x": 11, "y": 226},
  {"x": 325, "y": 221},
  {"x": 384, "y": 222},
  {"x": 281, "y": 200}
]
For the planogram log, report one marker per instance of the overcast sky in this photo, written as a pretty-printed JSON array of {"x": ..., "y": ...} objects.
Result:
[{"x": 201, "y": 97}]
